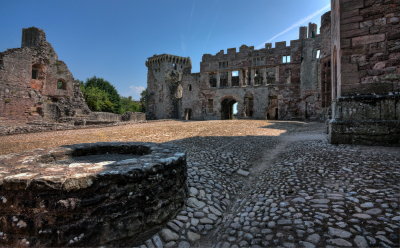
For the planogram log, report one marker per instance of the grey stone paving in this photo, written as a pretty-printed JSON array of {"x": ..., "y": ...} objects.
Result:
[{"x": 290, "y": 191}]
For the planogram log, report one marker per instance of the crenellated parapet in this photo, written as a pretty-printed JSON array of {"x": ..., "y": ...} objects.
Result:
[
  {"x": 158, "y": 59},
  {"x": 280, "y": 48}
]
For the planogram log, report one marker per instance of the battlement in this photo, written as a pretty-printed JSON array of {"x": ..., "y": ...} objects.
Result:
[
  {"x": 309, "y": 32},
  {"x": 33, "y": 37},
  {"x": 168, "y": 58}
]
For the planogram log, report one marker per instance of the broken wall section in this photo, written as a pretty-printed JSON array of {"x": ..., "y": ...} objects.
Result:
[
  {"x": 291, "y": 73},
  {"x": 35, "y": 85}
]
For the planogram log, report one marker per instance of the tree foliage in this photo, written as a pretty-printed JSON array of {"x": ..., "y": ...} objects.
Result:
[
  {"x": 98, "y": 100},
  {"x": 129, "y": 105},
  {"x": 108, "y": 88},
  {"x": 101, "y": 95}
]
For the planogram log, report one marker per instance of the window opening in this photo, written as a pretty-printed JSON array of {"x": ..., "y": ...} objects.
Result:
[{"x": 286, "y": 59}]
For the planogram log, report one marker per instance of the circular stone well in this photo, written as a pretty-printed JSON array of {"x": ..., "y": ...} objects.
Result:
[{"x": 113, "y": 194}]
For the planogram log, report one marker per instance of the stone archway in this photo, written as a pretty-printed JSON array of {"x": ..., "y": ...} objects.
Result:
[{"x": 227, "y": 108}]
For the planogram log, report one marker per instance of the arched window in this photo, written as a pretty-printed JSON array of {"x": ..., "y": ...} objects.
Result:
[
  {"x": 190, "y": 87},
  {"x": 61, "y": 84}
]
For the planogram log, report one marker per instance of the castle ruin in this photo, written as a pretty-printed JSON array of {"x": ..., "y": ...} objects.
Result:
[
  {"x": 349, "y": 74},
  {"x": 38, "y": 88},
  {"x": 35, "y": 85},
  {"x": 270, "y": 83}
]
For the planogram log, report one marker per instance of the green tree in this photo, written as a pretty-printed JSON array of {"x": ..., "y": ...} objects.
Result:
[
  {"x": 108, "y": 88},
  {"x": 129, "y": 105},
  {"x": 98, "y": 100}
]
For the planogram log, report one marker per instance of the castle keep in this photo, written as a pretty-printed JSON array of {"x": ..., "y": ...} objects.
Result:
[{"x": 349, "y": 74}]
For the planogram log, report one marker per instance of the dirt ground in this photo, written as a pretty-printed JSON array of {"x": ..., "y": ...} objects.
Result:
[{"x": 158, "y": 132}]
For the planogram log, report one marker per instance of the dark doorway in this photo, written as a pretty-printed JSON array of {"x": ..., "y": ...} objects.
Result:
[
  {"x": 227, "y": 109},
  {"x": 273, "y": 110},
  {"x": 188, "y": 114},
  {"x": 248, "y": 105}
]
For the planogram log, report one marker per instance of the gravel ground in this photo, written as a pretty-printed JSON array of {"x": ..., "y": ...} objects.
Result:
[{"x": 264, "y": 184}]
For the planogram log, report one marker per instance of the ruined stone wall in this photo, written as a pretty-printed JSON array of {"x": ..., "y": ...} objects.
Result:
[
  {"x": 35, "y": 85},
  {"x": 164, "y": 85},
  {"x": 282, "y": 87},
  {"x": 310, "y": 105},
  {"x": 134, "y": 116},
  {"x": 281, "y": 82},
  {"x": 326, "y": 40},
  {"x": 191, "y": 98},
  {"x": 325, "y": 79},
  {"x": 366, "y": 69}
]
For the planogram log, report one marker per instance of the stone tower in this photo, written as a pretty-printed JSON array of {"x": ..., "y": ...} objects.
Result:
[
  {"x": 164, "y": 85},
  {"x": 33, "y": 37}
]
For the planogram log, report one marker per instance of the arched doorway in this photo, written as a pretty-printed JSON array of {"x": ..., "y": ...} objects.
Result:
[{"x": 227, "y": 108}]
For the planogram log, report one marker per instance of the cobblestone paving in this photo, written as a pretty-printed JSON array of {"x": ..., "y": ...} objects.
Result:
[
  {"x": 260, "y": 184},
  {"x": 301, "y": 192}
]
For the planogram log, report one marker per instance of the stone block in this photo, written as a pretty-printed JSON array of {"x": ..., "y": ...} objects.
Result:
[
  {"x": 352, "y": 4},
  {"x": 350, "y": 26},
  {"x": 368, "y": 39},
  {"x": 354, "y": 33},
  {"x": 349, "y": 13},
  {"x": 352, "y": 19}
]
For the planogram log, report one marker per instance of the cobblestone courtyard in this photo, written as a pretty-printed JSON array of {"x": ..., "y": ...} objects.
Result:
[{"x": 264, "y": 184}]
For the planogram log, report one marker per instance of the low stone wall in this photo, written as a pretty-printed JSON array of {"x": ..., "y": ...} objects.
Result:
[
  {"x": 134, "y": 116},
  {"x": 84, "y": 195},
  {"x": 367, "y": 120},
  {"x": 104, "y": 117}
]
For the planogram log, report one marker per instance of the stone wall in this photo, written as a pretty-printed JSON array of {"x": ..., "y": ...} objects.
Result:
[
  {"x": 35, "y": 85},
  {"x": 164, "y": 85},
  {"x": 134, "y": 116},
  {"x": 281, "y": 82},
  {"x": 104, "y": 117},
  {"x": 326, "y": 65},
  {"x": 365, "y": 72},
  {"x": 368, "y": 120},
  {"x": 369, "y": 34},
  {"x": 78, "y": 196}
]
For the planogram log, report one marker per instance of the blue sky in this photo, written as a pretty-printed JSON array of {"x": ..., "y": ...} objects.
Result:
[{"x": 113, "y": 38}]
